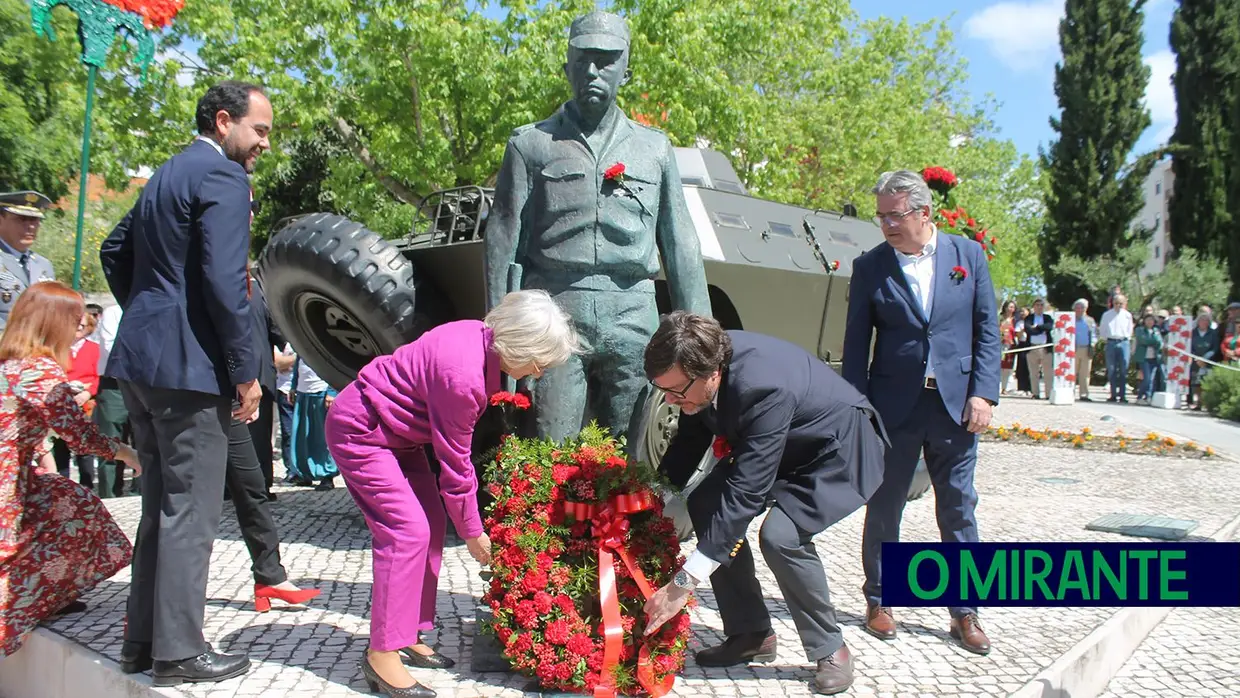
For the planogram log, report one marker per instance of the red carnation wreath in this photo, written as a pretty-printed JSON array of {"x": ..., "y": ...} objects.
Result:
[{"x": 579, "y": 542}]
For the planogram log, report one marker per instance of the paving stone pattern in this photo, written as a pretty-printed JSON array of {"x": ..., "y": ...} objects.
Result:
[
  {"x": 1194, "y": 652},
  {"x": 314, "y": 651}
]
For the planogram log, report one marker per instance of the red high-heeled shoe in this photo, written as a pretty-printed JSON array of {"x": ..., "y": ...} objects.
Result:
[{"x": 263, "y": 595}]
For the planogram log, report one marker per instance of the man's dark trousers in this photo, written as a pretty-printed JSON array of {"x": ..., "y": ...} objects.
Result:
[
  {"x": 951, "y": 458},
  {"x": 249, "y": 497},
  {"x": 260, "y": 435},
  {"x": 791, "y": 556},
  {"x": 110, "y": 415},
  {"x": 182, "y": 441}
]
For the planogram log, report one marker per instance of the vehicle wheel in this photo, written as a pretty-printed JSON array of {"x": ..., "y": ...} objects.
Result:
[
  {"x": 921, "y": 481},
  {"x": 342, "y": 295},
  {"x": 657, "y": 429}
]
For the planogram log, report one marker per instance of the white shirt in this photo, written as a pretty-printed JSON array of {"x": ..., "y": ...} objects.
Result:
[
  {"x": 1116, "y": 324},
  {"x": 218, "y": 148},
  {"x": 284, "y": 379},
  {"x": 109, "y": 322},
  {"x": 307, "y": 380},
  {"x": 919, "y": 270}
]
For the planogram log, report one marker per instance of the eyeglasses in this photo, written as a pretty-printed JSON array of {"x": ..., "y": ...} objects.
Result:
[
  {"x": 679, "y": 394},
  {"x": 892, "y": 219}
]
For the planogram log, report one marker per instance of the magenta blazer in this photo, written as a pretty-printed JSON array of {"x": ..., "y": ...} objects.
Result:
[{"x": 432, "y": 391}]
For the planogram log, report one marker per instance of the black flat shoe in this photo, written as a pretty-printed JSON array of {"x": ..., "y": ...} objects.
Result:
[
  {"x": 208, "y": 667},
  {"x": 70, "y": 608},
  {"x": 376, "y": 684},
  {"x": 136, "y": 657},
  {"x": 427, "y": 661}
]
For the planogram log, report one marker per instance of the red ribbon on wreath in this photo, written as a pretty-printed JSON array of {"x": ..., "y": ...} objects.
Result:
[{"x": 610, "y": 525}]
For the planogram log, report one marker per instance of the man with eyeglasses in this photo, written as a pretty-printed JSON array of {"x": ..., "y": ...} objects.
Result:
[
  {"x": 789, "y": 429},
  {"x": 927, "y": 302}
]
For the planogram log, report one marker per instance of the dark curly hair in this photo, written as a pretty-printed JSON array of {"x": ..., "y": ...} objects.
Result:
[
  {"x": 696, "y": 343},
  {"x": 230, "y": 96}
]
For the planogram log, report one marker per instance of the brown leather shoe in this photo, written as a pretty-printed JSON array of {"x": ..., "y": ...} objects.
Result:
[
  {"x": 880, "y": 622},
  {"x": 834, "y": 674},
  {"x": 740, "y": 649},
  {"x": 968, "y": 631}
]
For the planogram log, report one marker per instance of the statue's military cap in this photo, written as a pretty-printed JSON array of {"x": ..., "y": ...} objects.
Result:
[
  {"x": 601, "y": 31},
  {"x": 24, "y": 203}
]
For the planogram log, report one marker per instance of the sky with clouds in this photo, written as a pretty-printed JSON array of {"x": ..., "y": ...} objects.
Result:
[{"x": 1012, "y": 46}]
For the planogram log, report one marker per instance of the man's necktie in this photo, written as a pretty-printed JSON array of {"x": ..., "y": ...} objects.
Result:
[{"x": 25, "y": 262}]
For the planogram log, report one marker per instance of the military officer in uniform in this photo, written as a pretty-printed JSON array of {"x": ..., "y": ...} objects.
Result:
[
  {"x": 21, "y": 213},
  {"x": 586, "y": 203}
]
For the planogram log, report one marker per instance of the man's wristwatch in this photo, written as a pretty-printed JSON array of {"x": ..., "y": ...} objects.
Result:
[{"x": 684, "y": 580}]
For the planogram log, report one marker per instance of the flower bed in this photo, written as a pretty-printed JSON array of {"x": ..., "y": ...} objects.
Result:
[
  {"x": 579, "y": 542},
  {"x": 1150, "y": 444}
]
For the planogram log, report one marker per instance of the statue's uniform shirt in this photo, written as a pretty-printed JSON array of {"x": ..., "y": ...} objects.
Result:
[
  {"x": 14, "y": 279},
  {"x": 582, "y": 231}
]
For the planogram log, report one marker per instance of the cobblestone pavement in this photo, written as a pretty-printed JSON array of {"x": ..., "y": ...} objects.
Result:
[
  {"x": 1193, "y": 652},
  {"x": 314, "y": 651}
]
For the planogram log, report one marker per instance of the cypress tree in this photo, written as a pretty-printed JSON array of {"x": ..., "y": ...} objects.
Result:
[
  {"x": 1205, "y": 36},
  {"x": 1094, "y": 190}
]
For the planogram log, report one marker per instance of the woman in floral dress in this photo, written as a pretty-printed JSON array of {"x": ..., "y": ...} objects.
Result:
[{"x": 57, "y": 541}]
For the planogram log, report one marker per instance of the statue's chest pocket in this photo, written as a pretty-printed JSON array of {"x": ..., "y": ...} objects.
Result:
[{"x": 565, "y": 185}]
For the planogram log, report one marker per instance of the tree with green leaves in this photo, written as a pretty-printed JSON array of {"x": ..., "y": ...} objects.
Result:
[
  {"x": 1205, "y": 36},
  {"x": 808, "y": 101},
  {"x": 1095, "y": 188},
  {"x": 1189, "y": 280}
]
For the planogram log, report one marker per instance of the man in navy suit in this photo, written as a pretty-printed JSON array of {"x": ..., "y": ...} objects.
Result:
[
  {"x": 926, "y": 299},
  {"x": 183, "y": 352},
  {"x": 799, "y": 435}
]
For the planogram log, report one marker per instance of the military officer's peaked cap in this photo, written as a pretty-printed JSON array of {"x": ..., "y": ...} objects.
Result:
[
  {"x": 601, "y": 31},
  {"x": 24, "y": 203}
]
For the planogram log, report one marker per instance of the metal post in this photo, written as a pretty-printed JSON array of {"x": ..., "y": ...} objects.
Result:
[{"x": 85, "y": 176}]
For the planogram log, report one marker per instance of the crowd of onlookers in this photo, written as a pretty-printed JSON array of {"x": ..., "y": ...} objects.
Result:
[
  {"x": 1124, "y": 341},
  {"x": 297, "y": 440}
]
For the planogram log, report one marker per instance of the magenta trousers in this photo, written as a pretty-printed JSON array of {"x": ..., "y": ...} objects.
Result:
[{"x": 396, "y": 491}]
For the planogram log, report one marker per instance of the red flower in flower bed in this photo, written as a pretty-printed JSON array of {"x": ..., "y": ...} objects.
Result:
[{"x": 561, "y": 511}]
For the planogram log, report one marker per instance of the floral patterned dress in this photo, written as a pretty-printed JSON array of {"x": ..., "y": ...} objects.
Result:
[{"x": 57, "y": 541}]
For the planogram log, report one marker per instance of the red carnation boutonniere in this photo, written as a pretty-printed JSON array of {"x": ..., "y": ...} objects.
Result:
[
  {"x": 517, "y": 400},
  {"x": 615, "y": 175},
  {"x": 721, "y": 448},
  {"x": 959, "y": 274}
]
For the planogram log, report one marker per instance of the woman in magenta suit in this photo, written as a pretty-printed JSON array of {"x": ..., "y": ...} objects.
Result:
[{"x": 431, "y": 391}]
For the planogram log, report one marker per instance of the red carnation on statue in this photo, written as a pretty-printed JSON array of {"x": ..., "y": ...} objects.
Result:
[{"x": 615, "y": 172}]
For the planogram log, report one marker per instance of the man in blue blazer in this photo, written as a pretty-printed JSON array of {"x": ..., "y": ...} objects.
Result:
[
  {"x": 926, "y": 300},
  {"x": 176, "y": 264}
]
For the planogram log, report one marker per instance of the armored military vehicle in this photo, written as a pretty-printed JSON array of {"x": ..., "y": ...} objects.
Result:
[{"x": 343, "y": 295}]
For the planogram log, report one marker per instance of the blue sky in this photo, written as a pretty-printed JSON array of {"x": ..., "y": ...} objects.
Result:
[{"x": 1011, "y": 48}]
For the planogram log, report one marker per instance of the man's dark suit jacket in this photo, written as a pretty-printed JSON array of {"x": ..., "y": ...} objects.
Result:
[
  {"x": 267, "y": 336},
  {"x": 961, "y": 334},
  {"x": 176, "y": 264},
  {"x": 798, "y": 432}
]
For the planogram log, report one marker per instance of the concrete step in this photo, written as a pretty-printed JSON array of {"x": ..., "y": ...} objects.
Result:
[{"x": 50, "y": 665}]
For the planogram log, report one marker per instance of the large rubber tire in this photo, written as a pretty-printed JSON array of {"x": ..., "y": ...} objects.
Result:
[{"x": 343, "y": 295}]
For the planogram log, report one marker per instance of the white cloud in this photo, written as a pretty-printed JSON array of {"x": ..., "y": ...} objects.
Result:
[
  {"x": 1022, "y": 35},
  {"x": 1160, "y": 95}
]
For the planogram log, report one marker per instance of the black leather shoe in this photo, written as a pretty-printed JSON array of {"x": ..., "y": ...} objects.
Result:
[
  {"x": 427, "y": 661},
  {"x": 376, "y": 684},
  {"x": 136, "y": 657},
  {"x": 210, "y": 666},
  {"x": 740, "y": 649}
]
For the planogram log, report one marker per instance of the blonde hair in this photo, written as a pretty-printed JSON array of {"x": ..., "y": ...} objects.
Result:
[{"x": 530, "y": 327}]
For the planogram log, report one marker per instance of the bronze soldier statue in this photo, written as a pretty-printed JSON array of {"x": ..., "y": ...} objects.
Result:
[{"x": 586, "y": 203}]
